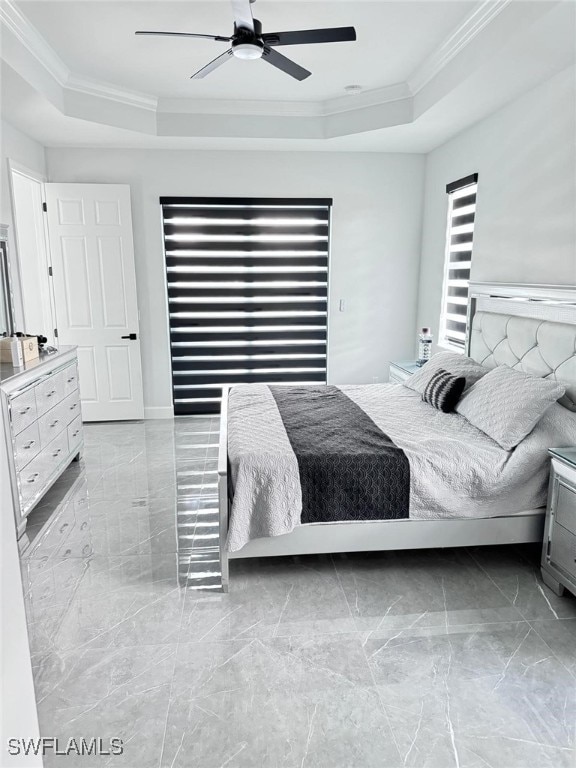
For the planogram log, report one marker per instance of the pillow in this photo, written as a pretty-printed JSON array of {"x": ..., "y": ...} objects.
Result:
[
  {"x": 444, "y": 390},
  {"x": 457, "y": 365},
  {"x": 507, "y": 404}
]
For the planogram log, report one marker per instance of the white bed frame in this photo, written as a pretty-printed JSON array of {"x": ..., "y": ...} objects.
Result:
[{"x": 543, "y": 302}]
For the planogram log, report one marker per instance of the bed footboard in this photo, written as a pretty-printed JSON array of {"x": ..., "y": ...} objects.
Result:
[{"x": 223, "y": 500}]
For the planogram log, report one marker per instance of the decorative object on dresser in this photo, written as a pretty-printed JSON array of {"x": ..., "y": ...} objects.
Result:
[
  {"x": 399, "y": 371},
  {"x": 42, "y": 424},
  {"x": 559, "y": 550}
]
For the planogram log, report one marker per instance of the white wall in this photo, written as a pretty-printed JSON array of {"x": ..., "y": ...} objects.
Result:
[
  {"x": 525, "y": 155},
  {"x": 16, "y": 146},
  {"x": 375, "y": 239}
]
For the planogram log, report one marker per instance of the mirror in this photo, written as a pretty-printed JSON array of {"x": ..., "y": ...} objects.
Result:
[{"x": 6, "y": 298}]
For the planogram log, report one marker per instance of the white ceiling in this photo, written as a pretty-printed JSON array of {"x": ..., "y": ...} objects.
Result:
[
  {"x": 96, "y": 40},
  {"x": 73, "y": 73}
]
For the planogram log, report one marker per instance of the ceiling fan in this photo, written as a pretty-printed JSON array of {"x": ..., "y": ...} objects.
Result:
[{"x": 248, "y": 42}]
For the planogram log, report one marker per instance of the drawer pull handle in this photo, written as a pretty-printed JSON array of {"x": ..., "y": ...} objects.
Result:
[
  {"x": 57, "y": 452},
  {"x": 52, "y": 392},
  {"x": 69, "y": 381},
  {"x": 25, "y": 410},
  {"x": 73, "y": 406},
  {"x": 75, "y": 433},
  {"x": 29, "y": 445},
  {"x": 32, "y": 478},
  {"x": 54, "y": 423}
]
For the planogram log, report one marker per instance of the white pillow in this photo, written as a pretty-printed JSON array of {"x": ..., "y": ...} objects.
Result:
[
  {"x": 507, "y": 404},
  {"x": 457, "y": 365}
]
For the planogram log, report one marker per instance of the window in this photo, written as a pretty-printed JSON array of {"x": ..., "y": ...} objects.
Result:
[
  {"x": 247, "y": 294},
  {"x": 458, "y": 260}
]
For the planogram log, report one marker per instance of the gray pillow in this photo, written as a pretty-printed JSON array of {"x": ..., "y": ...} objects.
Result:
[
  {"x": 507, "y": 404},
  {"x": 457, "y": 365}
]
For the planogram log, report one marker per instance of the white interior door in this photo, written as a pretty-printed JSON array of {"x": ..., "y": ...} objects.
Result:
[
  {"x": 31, "y": 249},
  {"x": 92, "y": 252}
]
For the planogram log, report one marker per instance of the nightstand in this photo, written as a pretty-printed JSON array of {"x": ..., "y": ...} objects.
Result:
[
  {"x": 401, "y": 370},
  {"x": 559, "y": 550}
]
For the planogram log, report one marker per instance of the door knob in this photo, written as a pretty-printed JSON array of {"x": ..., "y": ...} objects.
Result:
[{"x": 131, "y": 336}]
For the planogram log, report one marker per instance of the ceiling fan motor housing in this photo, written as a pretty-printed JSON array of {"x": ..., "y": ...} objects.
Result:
[{"x": 248, "y": 44}]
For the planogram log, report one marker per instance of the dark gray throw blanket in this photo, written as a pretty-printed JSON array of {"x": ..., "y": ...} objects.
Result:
[{"x": 349, "y": 469}]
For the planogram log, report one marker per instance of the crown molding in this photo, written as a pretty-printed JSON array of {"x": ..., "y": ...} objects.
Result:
[
  {"x": 27, "y": 34},
  {"x": 108, "y": 91},
  {"x": 32, "y": 40},
  {"x": 334, "y": 106},
  {"x": 372, "y": 98},
  {"x": 472, "y": 25},
  {"x": 254, "y": 107}
]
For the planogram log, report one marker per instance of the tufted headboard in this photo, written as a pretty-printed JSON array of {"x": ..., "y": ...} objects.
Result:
[{"x": 530, "y": 328}]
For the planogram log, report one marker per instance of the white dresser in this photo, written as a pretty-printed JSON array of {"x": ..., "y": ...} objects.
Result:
[{"x": 42, "y": 424}]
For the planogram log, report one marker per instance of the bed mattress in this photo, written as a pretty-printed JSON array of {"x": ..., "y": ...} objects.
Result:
[{"x": 455, "y": 470}]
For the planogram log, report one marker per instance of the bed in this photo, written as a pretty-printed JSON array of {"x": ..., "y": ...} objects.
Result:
[{"x": 450, "y": 485}]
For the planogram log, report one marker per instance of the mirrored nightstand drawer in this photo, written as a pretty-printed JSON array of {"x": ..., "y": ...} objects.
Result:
[
  {"x": 566, "y": 507},
  {"x": 563, "y": 550}
]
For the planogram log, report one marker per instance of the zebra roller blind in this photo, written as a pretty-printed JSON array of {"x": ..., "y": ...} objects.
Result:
[
  {"x": 459, "y": 239},
  {"x": 247, "y": 294}
]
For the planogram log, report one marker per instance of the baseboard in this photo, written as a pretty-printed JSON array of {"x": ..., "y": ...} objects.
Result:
[{"x": 162, "y": 412}]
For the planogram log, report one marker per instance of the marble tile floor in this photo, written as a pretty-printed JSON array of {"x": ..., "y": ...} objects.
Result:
[{"x": 422, "y": 659}]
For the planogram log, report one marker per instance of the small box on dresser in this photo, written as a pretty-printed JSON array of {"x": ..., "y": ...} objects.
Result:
[
  {"x": 42, "y": 424},
  {"x": 559, "y": 549}
]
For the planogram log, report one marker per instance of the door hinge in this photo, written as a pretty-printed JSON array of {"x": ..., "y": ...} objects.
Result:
[
  {"x": 44, "y": 207},
  {"x": 50, "y": 272},
  {"x": 55, "y": 333}
]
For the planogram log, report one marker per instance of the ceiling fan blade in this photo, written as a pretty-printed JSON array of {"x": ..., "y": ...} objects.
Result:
[
  {"x": 214, "y": 64},
  {"x": 243, "y": 14},
  {"x": 185, "y": 34},
  {"x": 306, "y": 36},
  {"x": 286, "y": 65}
]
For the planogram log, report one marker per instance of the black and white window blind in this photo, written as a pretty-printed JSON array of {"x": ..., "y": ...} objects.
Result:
[
  {"x": 459, "y": 240},
  {"x": 247, "y": 294}
]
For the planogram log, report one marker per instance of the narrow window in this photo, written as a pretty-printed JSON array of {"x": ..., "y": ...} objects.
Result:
[
  {"x": 458, "y": 261},
  {"x": 247, "y": 294}
]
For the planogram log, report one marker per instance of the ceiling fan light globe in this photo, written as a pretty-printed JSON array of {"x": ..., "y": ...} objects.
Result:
[{"x": 247, "y": 51}]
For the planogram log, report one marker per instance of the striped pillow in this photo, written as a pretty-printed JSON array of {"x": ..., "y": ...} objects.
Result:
[{"x": 444, "y": 390}]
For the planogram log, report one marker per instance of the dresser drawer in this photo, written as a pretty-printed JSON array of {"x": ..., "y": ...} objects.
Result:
[
  {"x": 566, "y": 507},
  {"x": 71, "y": 407},
  {"x": 55, "y": 453},
  {"x": 70, "y": 379},
  {"x": 32, "y": 479},
  {"x": 51, "y": 424},
  {"x": 49, "y": 392},
  {"x": 35, "y": 475},
  {"x": 75, "y": 434},
  {"x": 26, "y": 446},
  {"x": 23, "y": 410},
  {"x": 563, "y": 549}
]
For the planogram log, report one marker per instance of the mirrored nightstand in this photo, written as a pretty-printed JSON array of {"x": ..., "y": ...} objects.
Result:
[
  {"x": 401, "y": 370},
  {"x": 559, "y": 550}
]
